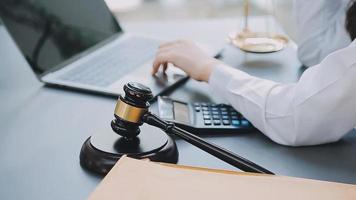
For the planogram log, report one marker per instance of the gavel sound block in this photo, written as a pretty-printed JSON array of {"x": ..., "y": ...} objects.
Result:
[{"x": 100, "y": 152}]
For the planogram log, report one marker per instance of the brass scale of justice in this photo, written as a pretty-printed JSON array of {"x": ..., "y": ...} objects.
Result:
[
  {"x": 257, "y": 42},
  {"x": 101, "y": 151}
]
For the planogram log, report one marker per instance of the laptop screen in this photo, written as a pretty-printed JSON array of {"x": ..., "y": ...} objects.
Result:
[{"x": 49, "y": 32}]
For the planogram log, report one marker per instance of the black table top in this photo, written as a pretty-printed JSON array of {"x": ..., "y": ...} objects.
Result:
[{"x": 42, "y": 129}]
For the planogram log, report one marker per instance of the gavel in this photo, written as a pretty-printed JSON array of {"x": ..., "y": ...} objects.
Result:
[{"x": 132, "y": 110}]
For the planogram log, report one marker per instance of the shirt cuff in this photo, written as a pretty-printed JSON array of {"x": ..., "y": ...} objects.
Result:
[{"x": 221, "y": 76}]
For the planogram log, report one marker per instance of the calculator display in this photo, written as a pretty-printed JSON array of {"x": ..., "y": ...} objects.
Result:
[
  {"x": 181, "y": 112},
  {"x": 202, "y": 117}
]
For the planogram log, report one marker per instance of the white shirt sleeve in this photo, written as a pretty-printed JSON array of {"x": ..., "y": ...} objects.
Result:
[
  {"x": 319, "y": 108},
  {"x": 321, "y": 29}
]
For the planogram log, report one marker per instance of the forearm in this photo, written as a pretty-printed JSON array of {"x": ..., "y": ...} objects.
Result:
[
  {"x": 250, "y": 96},
  {"x": 318, "y": 109}
]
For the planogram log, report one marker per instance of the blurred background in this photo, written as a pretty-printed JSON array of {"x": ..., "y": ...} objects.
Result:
[{"x": 154, "y": 10}]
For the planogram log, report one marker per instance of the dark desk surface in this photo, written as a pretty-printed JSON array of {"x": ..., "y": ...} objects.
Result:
[{"x": 42, "y": 129}]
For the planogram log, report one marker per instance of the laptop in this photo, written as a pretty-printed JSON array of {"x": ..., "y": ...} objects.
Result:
[{"x": 79, "y": 44}]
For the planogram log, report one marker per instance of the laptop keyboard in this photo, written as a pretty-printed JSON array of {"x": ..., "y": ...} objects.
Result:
[{"x": 107, "y": 67}]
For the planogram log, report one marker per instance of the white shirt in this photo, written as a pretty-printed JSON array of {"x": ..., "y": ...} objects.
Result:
[
  {"x": 321, "y": 28},
  {"x": 319, "y": 108}
]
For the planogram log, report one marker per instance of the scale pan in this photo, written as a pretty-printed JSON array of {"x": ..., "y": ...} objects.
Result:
[{"x": 258, "y": 42}]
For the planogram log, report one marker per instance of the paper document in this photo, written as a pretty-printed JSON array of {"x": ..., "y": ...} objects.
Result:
[{"x": 132, "y": 179}]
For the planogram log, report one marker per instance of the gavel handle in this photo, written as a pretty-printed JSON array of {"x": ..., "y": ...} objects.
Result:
[{"x": 222, "y": 154}]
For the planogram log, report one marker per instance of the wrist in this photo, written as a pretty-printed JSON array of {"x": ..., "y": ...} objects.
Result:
[{"x": 208, "y": 69}]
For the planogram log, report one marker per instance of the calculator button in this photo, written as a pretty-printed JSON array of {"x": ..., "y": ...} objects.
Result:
[
  {"x": 213, "y": 104},
  {"x": 197, "y": 109},
  {"x": 204, "y": 104},
  {"x": 216, "y": 116},
  {"x": 223, "y": 112},
  {"x": 217, "y": 122},
  {"x": 235, "y": 122},
  {"x": 207, "y": 122},
  {"x": 245, "y": 122},
  {"x": 234, "y": 117},
  {"x": 226, "y": 122},
  {"x": 214, "y": 109},
  {"x": 206, "y": 113},
  {"x": 225, "y": 117},
  {"x": 196, "y": 104},
  {"x": 206, "y": 116},
  {"x": 215, "y": 112},
  {"x": 205, "y": 108}
]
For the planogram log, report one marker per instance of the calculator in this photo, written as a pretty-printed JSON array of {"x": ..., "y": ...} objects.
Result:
[{"x": 203, "y": 117}]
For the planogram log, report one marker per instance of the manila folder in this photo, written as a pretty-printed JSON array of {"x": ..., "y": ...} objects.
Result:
[{"x": 132, "y": 179}]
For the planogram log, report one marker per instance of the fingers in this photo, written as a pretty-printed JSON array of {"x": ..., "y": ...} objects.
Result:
[
  {"x": 165, "y": 66},
  {"x": 165, "y": 54},
  {"x": 161, "y": 59},
  {"x": 164, "y": 69}
]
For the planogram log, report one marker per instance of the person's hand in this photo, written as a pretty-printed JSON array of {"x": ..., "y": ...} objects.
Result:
[{"x": 187, "y": 56}]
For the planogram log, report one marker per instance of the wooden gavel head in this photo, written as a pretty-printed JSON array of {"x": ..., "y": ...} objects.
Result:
[{"x": 130, "y": 109}]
